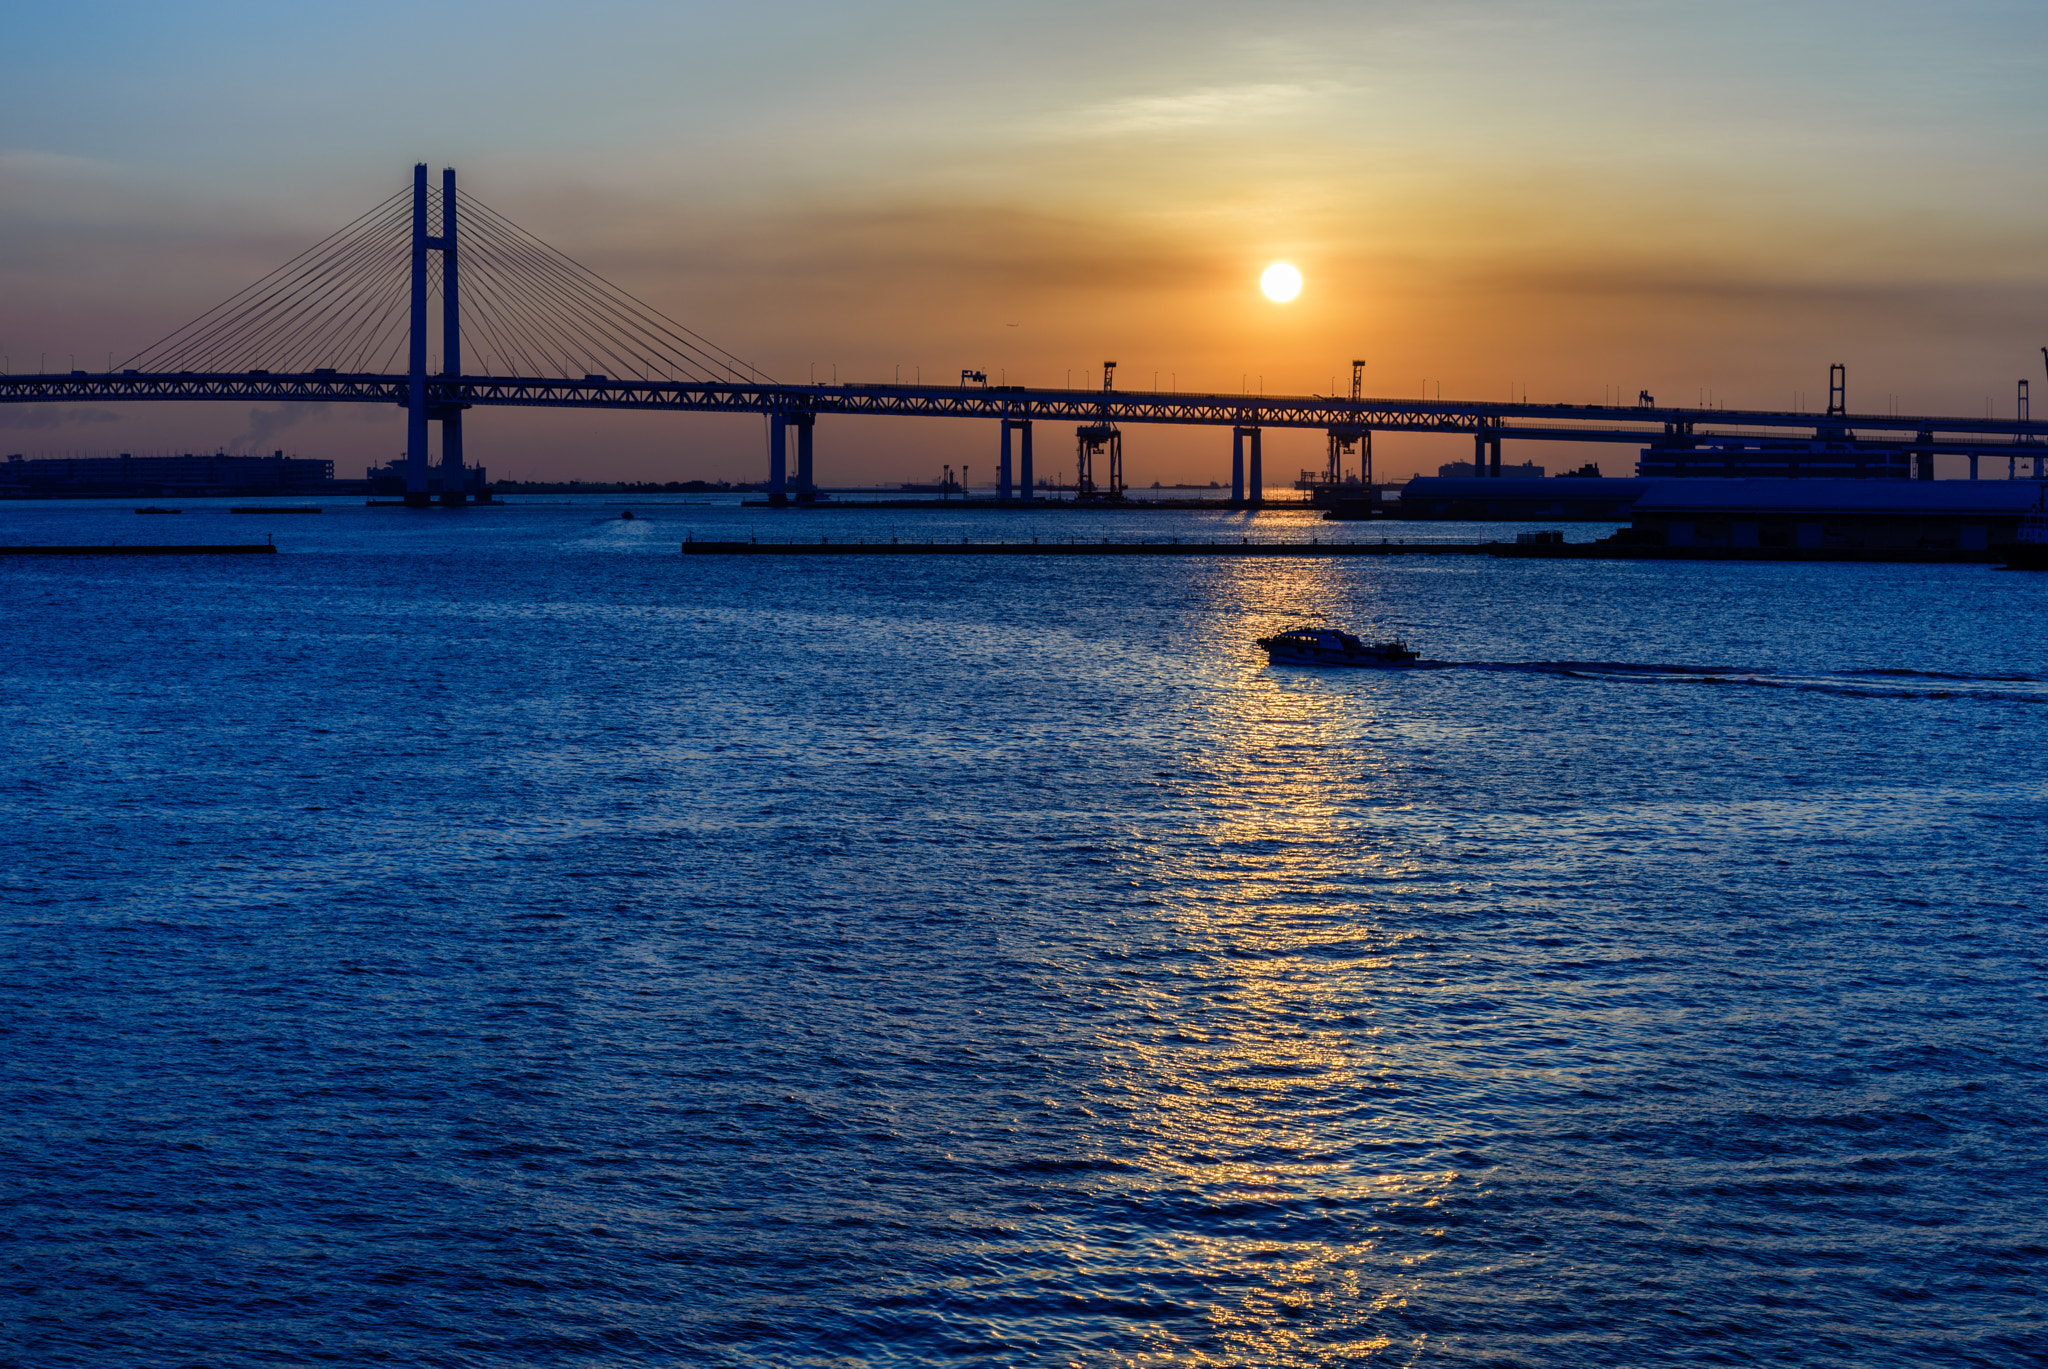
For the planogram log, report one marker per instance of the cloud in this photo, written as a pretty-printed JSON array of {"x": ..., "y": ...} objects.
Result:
[
  {"x": 265, "y": 424},
  {"x": 1204, "y": 108}
]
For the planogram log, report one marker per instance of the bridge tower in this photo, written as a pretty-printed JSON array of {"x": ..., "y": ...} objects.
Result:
[
  {"x": 419, "y": 492},
  {"x": 450, "y": 413}
]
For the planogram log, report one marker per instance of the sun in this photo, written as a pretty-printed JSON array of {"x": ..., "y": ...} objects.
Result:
[{"x": 1281, "y": 282}]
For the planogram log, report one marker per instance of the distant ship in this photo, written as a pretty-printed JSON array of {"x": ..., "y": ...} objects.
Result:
[{"x": 1326, "y": 646}]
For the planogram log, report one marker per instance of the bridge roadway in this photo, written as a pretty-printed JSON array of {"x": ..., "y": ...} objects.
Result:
[{"x": 1490, "y": 423}]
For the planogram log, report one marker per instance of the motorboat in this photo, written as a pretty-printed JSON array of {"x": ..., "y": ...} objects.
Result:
[{"x": 1327, "y": 646}]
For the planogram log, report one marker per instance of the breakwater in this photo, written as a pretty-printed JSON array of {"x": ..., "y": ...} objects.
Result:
[
  {"x": 138, "y": 549},
  {"x": 1075, "y": 547},
  {"x": 1584, "y": 551}
]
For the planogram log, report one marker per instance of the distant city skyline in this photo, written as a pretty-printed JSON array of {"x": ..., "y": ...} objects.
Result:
[{"x": 1576, "y": 199}]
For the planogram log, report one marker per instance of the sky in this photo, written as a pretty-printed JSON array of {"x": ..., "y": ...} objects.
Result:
[{"x": 1572, "y": 199}]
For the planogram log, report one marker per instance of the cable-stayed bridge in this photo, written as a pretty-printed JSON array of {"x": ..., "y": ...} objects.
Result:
[{"x": 349, "y": 320}]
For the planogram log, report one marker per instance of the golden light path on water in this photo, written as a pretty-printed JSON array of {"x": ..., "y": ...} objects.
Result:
[{"x": 1263, "y": 1078}]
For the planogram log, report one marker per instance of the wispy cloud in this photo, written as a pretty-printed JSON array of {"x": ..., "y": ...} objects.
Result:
[{"x": 1208, "y": 107}]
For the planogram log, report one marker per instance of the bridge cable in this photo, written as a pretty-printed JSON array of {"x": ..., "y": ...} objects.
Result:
[
  {"x": 185, "y": 343},
  {"x": 630, "y": 313}
]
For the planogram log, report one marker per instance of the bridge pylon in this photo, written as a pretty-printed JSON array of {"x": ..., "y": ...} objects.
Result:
[{"x": 419, "y": 481}]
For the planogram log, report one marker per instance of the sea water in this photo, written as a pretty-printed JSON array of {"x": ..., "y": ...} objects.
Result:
[{"x": 489, "y": 937}]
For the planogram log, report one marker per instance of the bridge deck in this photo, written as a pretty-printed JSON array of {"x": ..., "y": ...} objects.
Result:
[{"x": 1631, "y": 425}]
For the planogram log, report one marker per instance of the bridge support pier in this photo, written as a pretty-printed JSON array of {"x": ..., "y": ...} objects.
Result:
[
  {"x": 451, "y": 460},
  {"x": 1237, "y": 465},
  {"x": 1255, "y": 477},
  {"x": 451, "y": 348},
  {"x": 1486, "y": 452},
  {"x": 1003, "y": 466},
  {"x": 806, "y": 485},
  {"x": 417, "y": 493},
  {"x": 1023, "y": 426},
  {"x": 778, "y": 459}
]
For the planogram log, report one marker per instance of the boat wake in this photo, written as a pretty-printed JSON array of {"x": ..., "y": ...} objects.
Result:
[{"x": 1872, "y": 684}]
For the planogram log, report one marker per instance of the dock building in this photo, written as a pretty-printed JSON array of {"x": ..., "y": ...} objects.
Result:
[
  {"x": 165, "y": 475},
  {"x": 1857, "y": 515}
]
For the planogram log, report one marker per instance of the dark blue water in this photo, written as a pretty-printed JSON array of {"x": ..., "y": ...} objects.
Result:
[{"x": 491, "y": 938}]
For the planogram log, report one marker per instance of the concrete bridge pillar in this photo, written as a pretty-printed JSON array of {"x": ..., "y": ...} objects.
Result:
[
  {"x": 778, "y": 459},
  {"x": 1237, "y": 465},
  {"x": 1256, "y": 475},
  {"x": 419, "y": 476},
  {"x": 417, "y": 494},
  {"x": 1486, "y": 445},
  {"x": 1003, "y": 466},
  {"x": 451, "y": 457},
  {"x": 451, "y": 346},
  {"x": 1023, "y": 427},
  {"x": 806, "y": 484}
]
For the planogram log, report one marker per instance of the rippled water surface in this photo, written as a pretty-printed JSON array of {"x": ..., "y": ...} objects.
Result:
[{"x": 491, "y": 938}]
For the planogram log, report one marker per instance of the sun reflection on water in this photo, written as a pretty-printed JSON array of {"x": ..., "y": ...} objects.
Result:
[{"x": 1261, "y": 1100}]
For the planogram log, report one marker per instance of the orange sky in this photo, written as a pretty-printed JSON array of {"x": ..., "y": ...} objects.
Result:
[{"x": 1574, "y": 198}]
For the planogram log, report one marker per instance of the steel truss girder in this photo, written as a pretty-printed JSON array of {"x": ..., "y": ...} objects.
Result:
[{"x": 1702, "y": 428}]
